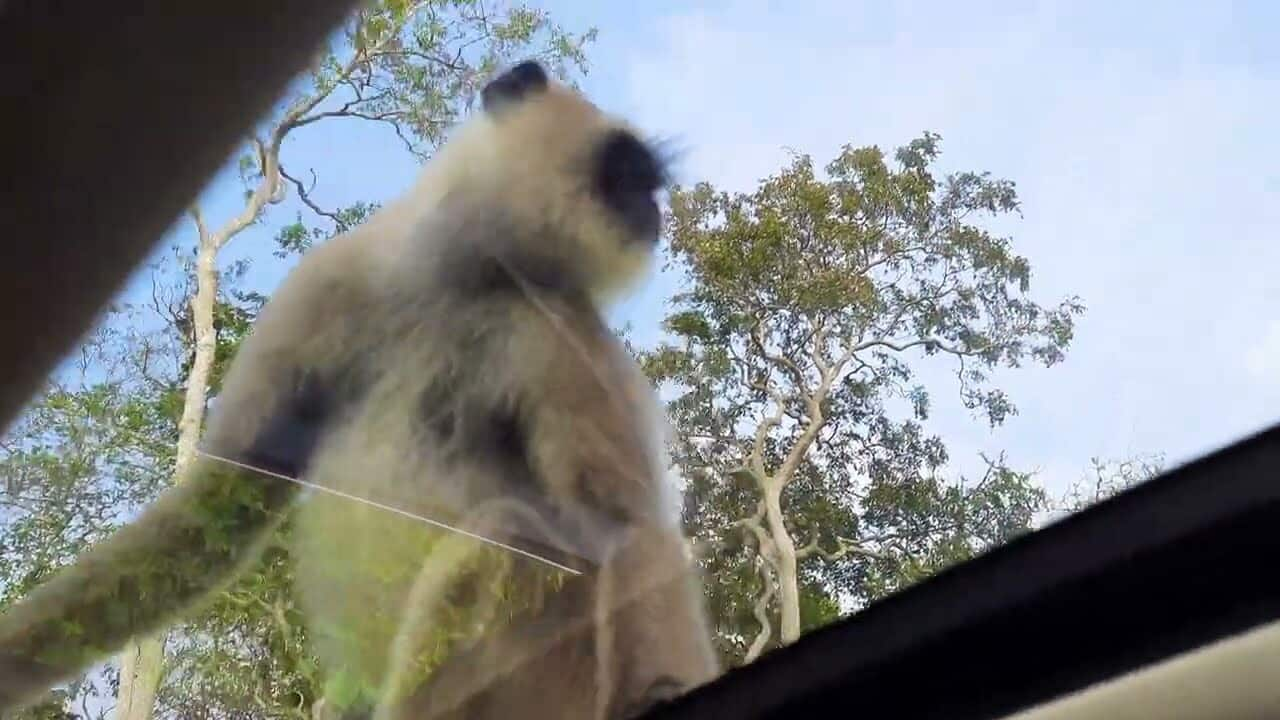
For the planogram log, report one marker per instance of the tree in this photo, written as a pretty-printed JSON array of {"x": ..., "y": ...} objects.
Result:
[
  {"x": 789, "y": 359},
  {"x": 1107, "y": 477}
]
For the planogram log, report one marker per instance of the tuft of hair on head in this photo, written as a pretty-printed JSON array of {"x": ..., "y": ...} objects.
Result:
[
  {"x": 581, "y": 186},
  {"x": 513, "y": 85}
]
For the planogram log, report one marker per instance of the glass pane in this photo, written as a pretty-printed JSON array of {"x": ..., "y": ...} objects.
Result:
[{"x": 927, "y": 278}]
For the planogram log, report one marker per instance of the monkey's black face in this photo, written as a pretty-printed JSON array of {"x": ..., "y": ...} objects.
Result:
[{"x": 628, "y": 177}]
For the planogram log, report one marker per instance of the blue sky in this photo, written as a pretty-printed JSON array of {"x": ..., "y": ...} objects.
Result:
[{"x": 1139, "y": 138}]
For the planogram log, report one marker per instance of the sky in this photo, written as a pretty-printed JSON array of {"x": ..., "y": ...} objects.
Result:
[{"x": 1139, "y": 141}]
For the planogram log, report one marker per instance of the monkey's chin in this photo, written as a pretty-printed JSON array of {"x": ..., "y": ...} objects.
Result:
[{"x": 633, "y": 271}]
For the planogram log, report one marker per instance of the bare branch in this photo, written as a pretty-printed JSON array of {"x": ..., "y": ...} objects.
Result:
[
  {"x": 761, "y": 612},
  {"x": 757, "y": 444},
  {"x": 454, "y": 64},
  {"x": 757, "y": 339},
  {"x": 844, "y": 546},
  {"x": 296, "y": 116},
  {"x": 901, "y": 346},
  {"x": 262, "y": 194},
  {"x": 818, "y": 350},
  {"x": 810, "y": 433},
  {"x": 305, "y": 196},
  {"x": 347, "y": 111},
  {"x": 198, "y": 218},
  {"x": 754, "y": 524}
]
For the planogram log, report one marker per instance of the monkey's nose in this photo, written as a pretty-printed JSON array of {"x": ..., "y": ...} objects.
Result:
[{"x": 662, "y": 691}]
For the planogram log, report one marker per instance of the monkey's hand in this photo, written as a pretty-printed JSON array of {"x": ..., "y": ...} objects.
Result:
[{"x": 288, "y": 440}]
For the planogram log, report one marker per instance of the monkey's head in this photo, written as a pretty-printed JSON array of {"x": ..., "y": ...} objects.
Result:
[{"x": 581, "y": 186}]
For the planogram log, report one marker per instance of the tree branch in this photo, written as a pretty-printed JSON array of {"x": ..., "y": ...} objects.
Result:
[
  {"x": 818, "y": 350},
  {"x": 816, "y": 421},
  {"x": 267, "y": 188},
  {"x": 305, "y": 196},
  {"x": 844, "y": 546},
  {"x": 296, "y": 116},
  {"x": 754, "y": 524},
  {"x": 761, "y": 612},
  {"x": 761, "y": 436},
  {"x": 789, "y": 366},
  {"x": 202, "y": 231},
  {"x": 902, "y": 346}
]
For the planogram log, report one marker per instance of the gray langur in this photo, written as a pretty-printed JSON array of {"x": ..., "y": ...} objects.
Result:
[{"x": 447, "y": 358}]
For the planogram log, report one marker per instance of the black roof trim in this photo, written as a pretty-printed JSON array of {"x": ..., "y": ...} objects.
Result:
[{"x": 1165, "y": 567}]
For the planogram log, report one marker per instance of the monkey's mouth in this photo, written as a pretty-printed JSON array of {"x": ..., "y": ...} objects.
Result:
[{"x": 643, "y": 219}]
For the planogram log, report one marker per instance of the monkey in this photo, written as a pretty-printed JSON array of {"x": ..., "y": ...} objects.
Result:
[{"x": 448, "y": 357}]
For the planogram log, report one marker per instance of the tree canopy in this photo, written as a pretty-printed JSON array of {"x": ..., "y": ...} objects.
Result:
[{"x": 791, "y": 359}]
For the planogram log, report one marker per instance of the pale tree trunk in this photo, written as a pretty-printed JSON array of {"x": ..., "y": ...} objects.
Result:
[
  {"x": 784, "y": 551},
  {"x": 142, "y": 662},
  {"x": 761, "y": 611},
  {"x": 141, "y": 667},
  {"x": 777, "y": 550}
]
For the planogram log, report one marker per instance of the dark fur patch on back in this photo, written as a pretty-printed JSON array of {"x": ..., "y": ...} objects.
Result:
[
  {"x": 508, "y": 437},
  {"x": 484, "y": 253},
  {"x": 467, "y": 433},
  {"x": 437, "y": 413},
  {"x": 588, "y": 492},
  {"x": 465, "y": 430},
  {"x": 477, "y": 276}
]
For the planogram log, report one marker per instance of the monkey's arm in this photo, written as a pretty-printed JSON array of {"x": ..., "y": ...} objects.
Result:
[
  {"x": 182, "y": 548},
  {"x": 583, "y": 412}
]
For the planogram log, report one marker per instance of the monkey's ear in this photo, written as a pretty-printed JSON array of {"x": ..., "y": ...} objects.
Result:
[{"x": 513, "y": 86}]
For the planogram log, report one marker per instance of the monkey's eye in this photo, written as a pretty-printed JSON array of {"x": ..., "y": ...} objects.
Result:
[{"x": 628, "y": 175}]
